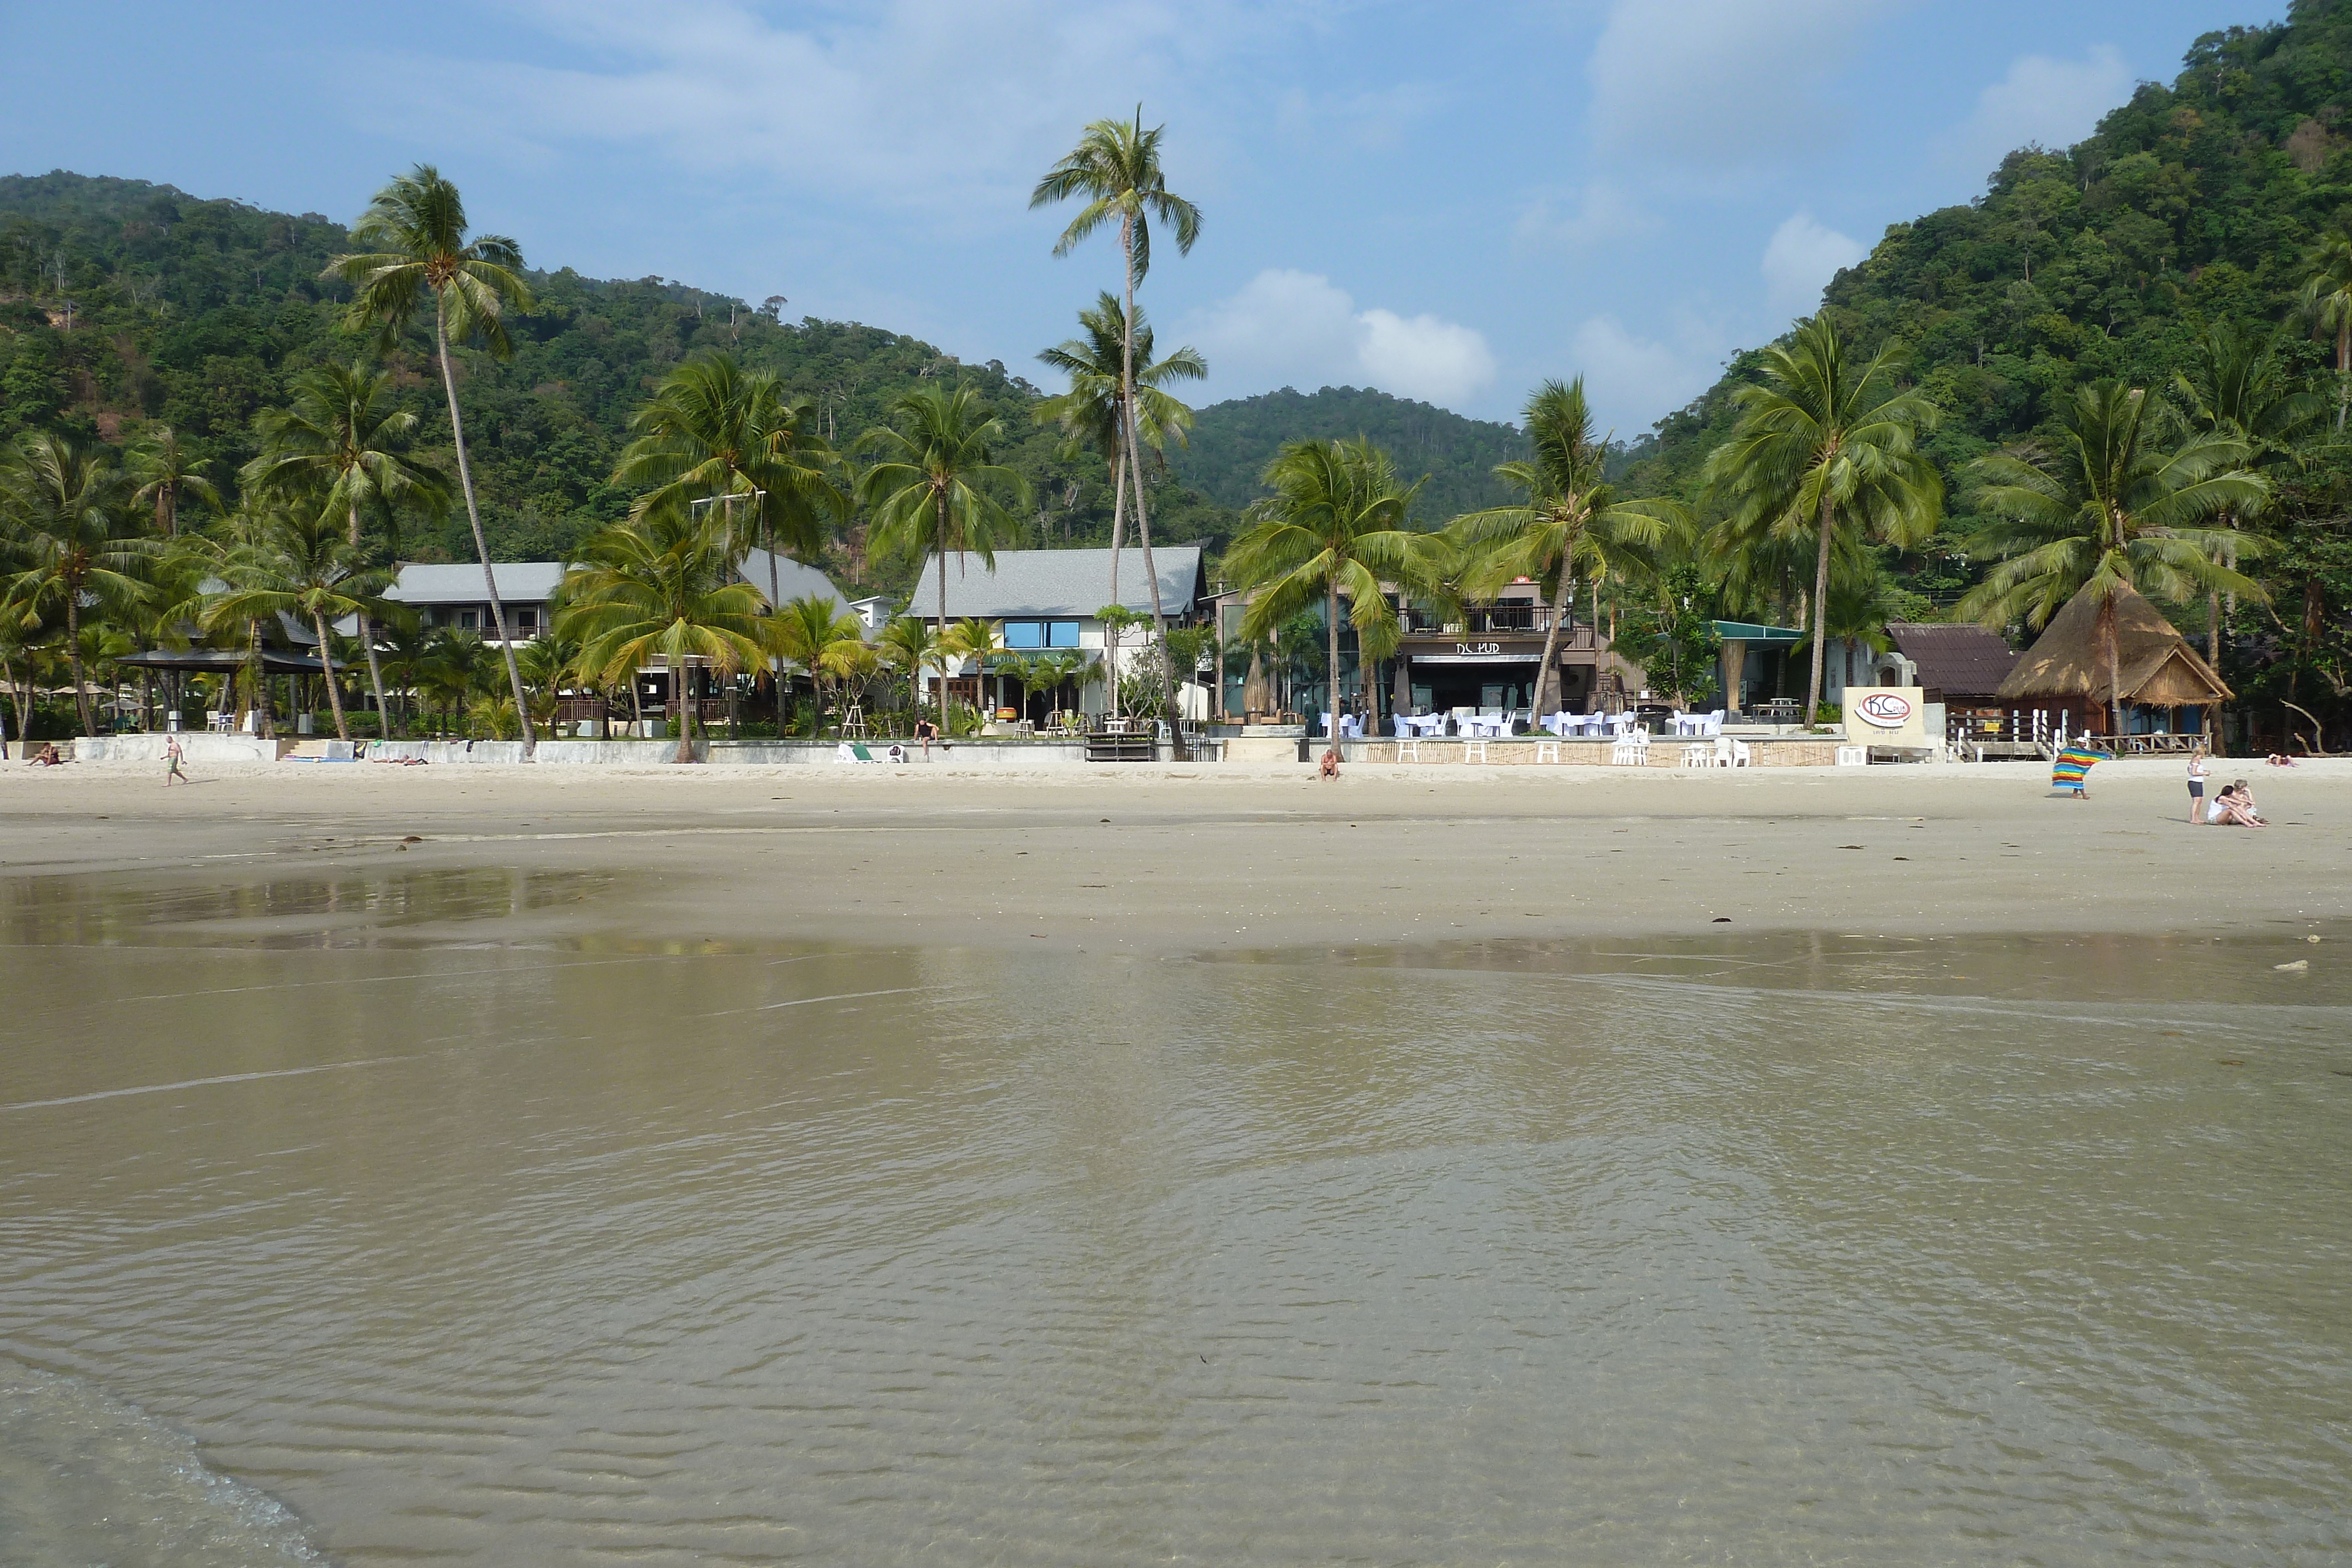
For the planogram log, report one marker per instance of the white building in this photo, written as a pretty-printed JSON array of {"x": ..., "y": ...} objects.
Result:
[{"x": 1049, "y": 600}]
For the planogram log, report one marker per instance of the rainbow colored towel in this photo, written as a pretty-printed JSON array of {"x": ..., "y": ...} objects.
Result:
[{"x": 2066, "y": 771}]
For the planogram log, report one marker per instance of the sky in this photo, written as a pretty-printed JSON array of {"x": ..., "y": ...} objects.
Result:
[{"x": 1450, "y": 202}]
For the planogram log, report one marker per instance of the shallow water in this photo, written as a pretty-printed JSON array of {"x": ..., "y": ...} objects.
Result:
[{"x": 1830, "y": 1249}]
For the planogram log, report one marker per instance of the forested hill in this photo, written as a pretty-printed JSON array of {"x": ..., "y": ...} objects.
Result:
[
  {"x": 2192, "y": 204},
  {"x": 1233, "y": 442},
  {"x": 125, "y": 304}
]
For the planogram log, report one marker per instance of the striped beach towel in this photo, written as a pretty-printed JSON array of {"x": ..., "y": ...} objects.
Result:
[{"x": 2067, "y": 771}]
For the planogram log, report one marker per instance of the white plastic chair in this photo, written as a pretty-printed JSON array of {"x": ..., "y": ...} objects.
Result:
[
  {"x": 1697, "y": 755},
  {"x": 1475, "y": 750},
  {"x": 1408, "y": 748},
  {"x": 1631, "y": 750},
  {"x": 1548, "y": 750},
  {"x": 1854, "y": 756}
]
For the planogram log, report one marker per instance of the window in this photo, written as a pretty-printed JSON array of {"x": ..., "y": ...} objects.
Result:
[
  {"x": 527, "y": 617},
  {"x": 1063, "y": 634},
  {"x": 1023, "y": 634},
  {"x": 469, "y": 619}
]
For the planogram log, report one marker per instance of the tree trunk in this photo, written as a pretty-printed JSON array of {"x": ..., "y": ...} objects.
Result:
[
  {"x": 1135, "y": 460},
  {"x": 1117, "y": 522},
  {"x": 73, "y": 654},
  {"x": 334, "y": 690},
  {"x": 1548, "y": 672},
  {"x": 682, "y": 681},
  {"x": 775, "y": 587},
  {"x": 939, "y": 502},
  {"x": 2343, "y": 369},
  {"x": 2107, "y": 646},
  {"x": 1331, "y": 613},
  {"x": 15, "y": 696},
  {"x": 265, "y": 717},
  {"x": 1819, "y": 610},
  {"x": 474, "y": 516},
  {"x": 2214, "y": 657}
]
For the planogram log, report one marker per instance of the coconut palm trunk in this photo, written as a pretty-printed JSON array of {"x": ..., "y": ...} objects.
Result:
[
  {"x": 474, "y": 516},
  {"x": 2108, "y": 639},
  {"x": 1548, "y": 672},
  {"x": 681, "y": 674},
  {"x": 2343, "y": 371},
  {"x": 1118, "y": 525},
  {"x": 1331, "y": 627},
  {"x": 1818, "y": 608},
  {"x": 334, "y": 689},
  {"x": 73, "y": 658},
  {"x": 1135, "y": 462},
  {"x": 941, "y": 501}
]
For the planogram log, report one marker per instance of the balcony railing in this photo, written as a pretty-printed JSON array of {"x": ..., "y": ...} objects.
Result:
[{"x": 1517, "y": 620}]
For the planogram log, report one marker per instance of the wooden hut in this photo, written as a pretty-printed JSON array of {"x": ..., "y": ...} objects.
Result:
[{"x": 2156, "y": 669}]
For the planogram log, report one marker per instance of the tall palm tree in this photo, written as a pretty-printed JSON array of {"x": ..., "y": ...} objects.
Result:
[
  {"x": 164, "y": 469},
  {"x": 302, "y": 565},
  {"x": 2236, "y": 385},
  {"x": 1115, "y": 169},
  {"x": 663, "y": 584},
  {"x": 1334, "y": 527},
  {"x": 1093, "y": 410},
  {"x": 908, "y": 643},
  {"x": 806, "y": 632},
  {"x": 2326, "y": 303},
  {"x": 1828, "y": 442},
  {"x": 71, "y": 538},
  {"x": 1570, "y": 521},
  {"x": 413, "y": 244},
  {"x": 714, "y": 433},
  {"x": 975, "y": 639},
  {"x": 2115, "y": 500},
  {"x": 926, "y": 490},
  {"x": 337, "y": 446}
]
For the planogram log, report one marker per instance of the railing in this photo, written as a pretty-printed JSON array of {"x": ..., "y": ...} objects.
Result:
[{"x": 1522, "y": 619}]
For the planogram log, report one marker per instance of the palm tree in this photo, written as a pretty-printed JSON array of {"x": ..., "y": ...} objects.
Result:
[
  {"x": 302, "y": 565},
  {"x": 926, "y": 492},
  {"x": 974, "y": 639},
  {"x": 663, "y": 584},
  {"x": 413, "y": 240},
  {"x": 1094, "y": 409},
  {"x": 336, "y": 446},
  {"x": 2326, "y": 303},
  {"x": 2237, "y": 386},
  {"x": 714, "y": 433},
  {"x": 164, "y": 469},
  {"x": 1334, "y": 527},
  {"x": 1115, "y": 168},
  {"x": 2114, "y": 501},
  {"x": 909, "y": 643},
  {"x": 547, "y": 667},
  {"x": 70, "y": 539},
  {"x": 1826, "y": 443},
  {"x": 1570, "y": 520},
  {"x": 806, "y": 632},
  {"x": 450, "y": 670}
]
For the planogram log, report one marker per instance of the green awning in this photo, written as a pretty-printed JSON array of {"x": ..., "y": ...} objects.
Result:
[{"x": 1749, "y": 632}]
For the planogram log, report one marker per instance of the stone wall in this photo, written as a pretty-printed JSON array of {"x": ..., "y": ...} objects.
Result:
[{"x": 1520, "y": 750}]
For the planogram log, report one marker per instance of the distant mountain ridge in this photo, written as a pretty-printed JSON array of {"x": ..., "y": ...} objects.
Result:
[{"x": 1232, "y": 442}]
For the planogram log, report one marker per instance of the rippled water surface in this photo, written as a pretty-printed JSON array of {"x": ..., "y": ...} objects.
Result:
[{"x": 363, "y": 1216}]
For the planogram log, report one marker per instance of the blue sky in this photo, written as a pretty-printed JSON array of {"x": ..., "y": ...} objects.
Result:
[{"x": 1450, "y": 202}]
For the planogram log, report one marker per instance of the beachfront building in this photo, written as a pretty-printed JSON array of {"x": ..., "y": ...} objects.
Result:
[
  {"x": 2166, "y": 688},
  {"x": 1048, "y": 601},
  {"x": 457, "y": 597}
]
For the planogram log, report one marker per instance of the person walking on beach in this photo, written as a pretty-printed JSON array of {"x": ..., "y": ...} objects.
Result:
[
  {"x": 2196, "y": 775},
  {"x": 173, "y": 758}
]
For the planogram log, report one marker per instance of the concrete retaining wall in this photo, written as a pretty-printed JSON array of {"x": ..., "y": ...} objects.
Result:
[
  {"x": 197, "y": 745},
  {"x": 1520, "y": 750}
]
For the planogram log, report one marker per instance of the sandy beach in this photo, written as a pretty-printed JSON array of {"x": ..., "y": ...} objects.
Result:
[{"x": 1188, "y": 858}]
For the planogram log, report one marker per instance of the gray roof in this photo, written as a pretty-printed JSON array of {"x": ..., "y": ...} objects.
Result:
[
  {"x": 794, "y": 580},
  {"x": 520, "y": 581},
  {"x": 1069, "y": 582}
]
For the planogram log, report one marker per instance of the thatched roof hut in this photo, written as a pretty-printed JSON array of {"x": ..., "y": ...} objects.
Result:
[{"x": 2155, "y": 666}]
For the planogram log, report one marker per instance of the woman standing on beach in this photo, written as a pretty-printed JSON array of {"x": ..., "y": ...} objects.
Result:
[{"x": 2197, "y": 772}]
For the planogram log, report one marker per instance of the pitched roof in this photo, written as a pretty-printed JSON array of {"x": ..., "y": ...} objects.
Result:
[
  {"x": 794, "y": 580},
  {"x": 1069, "y": 582},
  {"x": 2154, "y": 662},
  {"x": 1959, "y": 660},
  {"x": 523, "y": 582}
]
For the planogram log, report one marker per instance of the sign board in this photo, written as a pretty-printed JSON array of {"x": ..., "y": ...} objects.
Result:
[{"x": 1887, "y": 715}]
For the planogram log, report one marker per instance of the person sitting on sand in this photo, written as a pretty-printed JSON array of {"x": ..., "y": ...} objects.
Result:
[
  {"x": 2233, "y": 807},
  {"x": 2275, "y": 761},
  {"x": 47, "y": 756},
  {"x": 1330, "y": 768}
]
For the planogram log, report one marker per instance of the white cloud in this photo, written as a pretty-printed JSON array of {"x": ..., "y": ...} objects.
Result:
[
  {"x": 1799, "y": 260},
  {"x": 1299, "y": 328},
  {"x": 1583, "y": 221},
  {"x": 1722, "y": 84},
  {"x": 932, "y": 102},
  {"x": 2054, "y": 102},
  {"x": 1635, "y": 381}
]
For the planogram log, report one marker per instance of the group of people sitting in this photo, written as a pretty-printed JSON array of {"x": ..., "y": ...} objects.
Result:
[{"x": 2233, "y": 807}]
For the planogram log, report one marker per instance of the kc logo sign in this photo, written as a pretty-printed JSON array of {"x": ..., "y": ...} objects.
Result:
[{"x": 1887, "y": 710}]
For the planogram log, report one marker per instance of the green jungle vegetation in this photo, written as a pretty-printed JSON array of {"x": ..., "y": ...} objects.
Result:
[{"x": 1233, "y": 442}]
